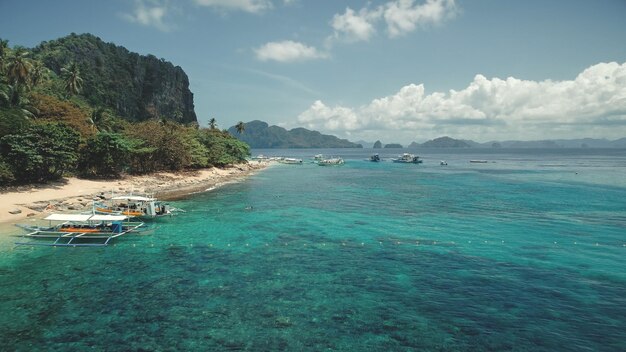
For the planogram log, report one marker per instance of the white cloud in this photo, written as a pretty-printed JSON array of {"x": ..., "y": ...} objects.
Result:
[
  {"x": 287, "y": 51},
  {"x": 252, "y": 6},
  {"x": 400, "y": 16},
  {"x": 150, "y": 14},
  {"x": 593, "y": 104},
  {"x": 403, "y": 16},
  {"x": 320, "y": 116},
  {"x": 355, "y": 26}
]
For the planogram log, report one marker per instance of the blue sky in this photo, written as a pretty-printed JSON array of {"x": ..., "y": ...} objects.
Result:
[{"x": 395, "y": 70}]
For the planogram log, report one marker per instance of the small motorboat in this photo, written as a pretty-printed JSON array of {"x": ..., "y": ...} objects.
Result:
[
  {"x": 331, "y": 162},
  {"x": 290, "y": 161},
  {"x": 407, "y": 158},
  {"x": 375, "y": 158},
  {"x": 443, "y": 163}
]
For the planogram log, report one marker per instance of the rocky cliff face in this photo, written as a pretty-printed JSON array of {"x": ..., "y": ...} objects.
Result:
[{"x": 136, "y": 87}]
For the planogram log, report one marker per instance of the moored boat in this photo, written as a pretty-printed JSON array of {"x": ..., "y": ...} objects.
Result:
[
  {"x": 407, "y": 158},
  {"x": 331, "y": 162},
  {"x": 290, "y": 161},
  {"x": 135, "y": 206},
  {"x": 82, "y": 230}
]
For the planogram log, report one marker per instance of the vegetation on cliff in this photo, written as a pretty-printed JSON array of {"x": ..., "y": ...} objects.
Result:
[
  {"x": 135, "y": 87},
  {"x": 69, "y": 107}
]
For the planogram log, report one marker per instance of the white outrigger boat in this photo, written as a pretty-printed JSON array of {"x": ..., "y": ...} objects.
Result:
[
  {"x": 407, "y": 158},
  {"x": 290, "y": 161},
  {"x": 81, "y": 230},
  {"x": 330, "y": 162},
  {"x": 136, "y": 206}
]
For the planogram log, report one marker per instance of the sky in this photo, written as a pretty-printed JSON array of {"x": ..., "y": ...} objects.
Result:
[{"x": 390, "y": 70}]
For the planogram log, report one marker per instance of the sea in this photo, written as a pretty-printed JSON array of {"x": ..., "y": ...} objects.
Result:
[{"x": 525, "y": 252}]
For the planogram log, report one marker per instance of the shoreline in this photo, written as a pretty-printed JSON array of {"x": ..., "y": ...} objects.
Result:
[{"x": 73, "y": 194}]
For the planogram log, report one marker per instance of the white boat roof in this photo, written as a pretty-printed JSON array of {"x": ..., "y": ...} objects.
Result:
[
  {"x": 107, "y": 217},
  {"x": 136, "y": 198},
  {"x": 68, "y": 217},
  {"x": 85, "y": 217}
]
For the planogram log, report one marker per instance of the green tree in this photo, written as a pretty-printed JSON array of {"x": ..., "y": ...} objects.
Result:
[
  {"x": 223, "y": 148},
  {"x": 106, "y": 155},
  {"x": 6, "y": 174},
  {"x": 240, "y": 127},
  {"x": 72, "y": 79},
  {"x": 101, "y": 120},
  {"x": 38, "y": 73},
  {"x": 168, "y": 142},
  {"x": 43, "y": 152},
  {"x": 12, "y": 121},
  {"x": 18, "y": 68},
  {"x": 198, "y": 152},
  {"x": 212, "y": 123},
  {"x": 4, "y": 52}
]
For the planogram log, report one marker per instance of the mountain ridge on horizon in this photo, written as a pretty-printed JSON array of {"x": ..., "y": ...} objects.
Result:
[
  {"x": 439, "y": 142},
  {"x": 259, "y": 134}
]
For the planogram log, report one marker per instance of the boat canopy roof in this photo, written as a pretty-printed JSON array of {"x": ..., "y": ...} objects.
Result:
[
  {"x": 85, "y": 217},
  {"x": 68, "y": 217},
  {"x": 135, "y": 198},
  {"x": 107, "y": 217}
]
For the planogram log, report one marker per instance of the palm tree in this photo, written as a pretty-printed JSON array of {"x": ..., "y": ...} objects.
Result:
[
  {"x": 4, "y": 52},
  {"x": 19, "y": 67},
  {"x": 240, "y": 127},
  {"x": 212, "y": 123},
  {"x": 99, "y": 120},
  {"x": 73, "y": 81},
  {"x": 5, "y": 94},
  {"x": 15, "y": 97},
  {"x": 38, "y": 73}
]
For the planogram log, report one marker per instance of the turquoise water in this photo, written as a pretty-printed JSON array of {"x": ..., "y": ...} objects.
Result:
[{"x": 525, "y": 253}]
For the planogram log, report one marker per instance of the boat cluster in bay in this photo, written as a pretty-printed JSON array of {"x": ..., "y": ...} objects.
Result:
[{"x": 321, "y": 160}]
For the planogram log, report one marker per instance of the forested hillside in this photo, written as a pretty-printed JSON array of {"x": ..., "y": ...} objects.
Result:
[
  {"x": 259, "y": 134},
  {"x": 79, "y": 106}
]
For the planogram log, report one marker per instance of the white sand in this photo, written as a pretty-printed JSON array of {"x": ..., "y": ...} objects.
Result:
[{"x": 77, "y": 194}]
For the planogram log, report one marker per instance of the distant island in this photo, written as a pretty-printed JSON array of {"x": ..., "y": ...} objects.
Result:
[
  {"x": 393, "y": 145},
  {"x": 445, "y": 142},
  {"x": 448, "y": 142},
  {"x": 258, "y": 134}
]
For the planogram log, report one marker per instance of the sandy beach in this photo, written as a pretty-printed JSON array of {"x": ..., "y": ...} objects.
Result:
[{"x": 73, "y": 194}]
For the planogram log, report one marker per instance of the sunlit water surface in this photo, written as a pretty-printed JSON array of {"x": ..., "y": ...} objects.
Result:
[{"x": 524, "y": 253}]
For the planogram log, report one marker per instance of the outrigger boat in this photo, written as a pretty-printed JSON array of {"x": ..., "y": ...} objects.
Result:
[
  {"x": 136, "y": 206},
  {"x": 407, "y": 158},
  {"x": 290, "y": 161},
  {"x": 375, "y": 158},
  {"x": 330, "y": 162},
  {"x": 82, "y": 230}
]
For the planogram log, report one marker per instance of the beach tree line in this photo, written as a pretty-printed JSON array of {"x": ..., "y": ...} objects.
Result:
[{"x": 48, "y": 130}]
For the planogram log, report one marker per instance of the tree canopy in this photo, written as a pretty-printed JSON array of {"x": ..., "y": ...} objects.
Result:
[{"x": 51, "y": 125}]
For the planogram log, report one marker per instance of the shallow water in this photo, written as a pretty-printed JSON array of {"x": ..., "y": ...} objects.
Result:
[{"x": 525, "y": 253}]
